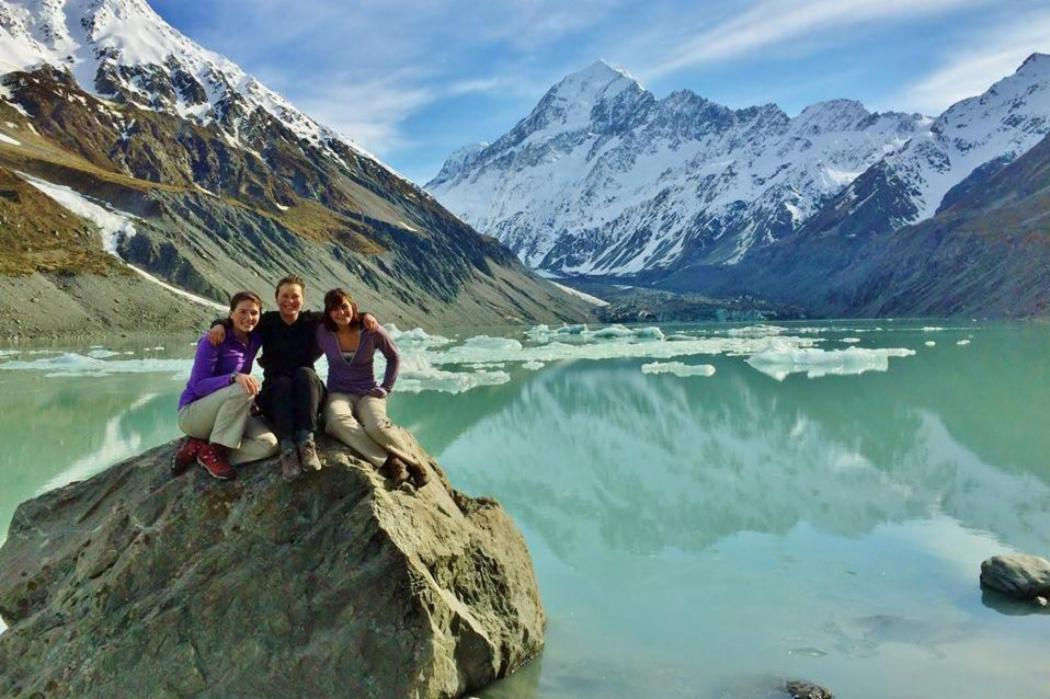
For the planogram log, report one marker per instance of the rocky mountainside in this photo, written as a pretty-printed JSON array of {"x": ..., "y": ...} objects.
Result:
[
  {"x": 604, "y": 179},
  {"x": 176, "y": 162},
  {"x": 134, "y": 583}
]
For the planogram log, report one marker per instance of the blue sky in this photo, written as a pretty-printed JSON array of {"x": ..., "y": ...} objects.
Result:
[{"x": 412, "y": 80}]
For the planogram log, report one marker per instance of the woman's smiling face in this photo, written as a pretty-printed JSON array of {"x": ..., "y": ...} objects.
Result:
[
  {"x": 245, "y": 316},
  {"x": 342, "y": 314}
]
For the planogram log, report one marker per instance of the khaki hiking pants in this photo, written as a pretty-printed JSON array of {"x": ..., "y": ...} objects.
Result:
[
  {"x": 360, "y": 422},
  {"x": 223, "y": 418}
]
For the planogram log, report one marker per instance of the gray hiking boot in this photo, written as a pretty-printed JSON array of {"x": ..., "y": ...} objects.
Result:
[
  {"x": 290, "y": 468},
  {"x": 308, "y": 455}
]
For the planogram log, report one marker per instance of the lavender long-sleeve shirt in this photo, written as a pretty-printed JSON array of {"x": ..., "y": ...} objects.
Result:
[
  {"x": 357, "y": 375},
  {"x": 213, "y": 366}
]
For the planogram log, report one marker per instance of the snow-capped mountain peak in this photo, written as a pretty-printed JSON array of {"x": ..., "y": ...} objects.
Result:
[
  {"x": 123, "y": 50},
  {"x": 602, "y": 178}
]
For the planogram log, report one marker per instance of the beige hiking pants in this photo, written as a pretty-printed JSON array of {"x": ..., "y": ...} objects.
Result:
[
  {"x": 360, "y": 422},
  {"x": 223, "y": 418}
]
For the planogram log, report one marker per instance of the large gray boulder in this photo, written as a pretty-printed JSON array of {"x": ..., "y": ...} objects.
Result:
[
  {"x": 1019, "y": 576},
  {"x": 134, "y": 583}
]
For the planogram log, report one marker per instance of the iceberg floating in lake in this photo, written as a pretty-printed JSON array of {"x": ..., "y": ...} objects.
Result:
[
  {"x": 533, "y": 365},
  {"x": 678, "y": 369},
  {"x": 417, "y": 337},
  {"x": 416, "y": 375},
  {"x": 814, "y": 362},
  {"x": 72, "y": 364}
]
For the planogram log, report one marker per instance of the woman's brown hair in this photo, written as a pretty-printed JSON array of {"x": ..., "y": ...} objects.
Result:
[
  {"x": 244, "y": 296},
  {"x": 333, "y": 298}
]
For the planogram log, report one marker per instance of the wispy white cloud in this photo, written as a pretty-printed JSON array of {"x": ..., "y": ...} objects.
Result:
[
  {"x": 971, "y": 69},
  {"x": 773, "y": 22},
  {"x": 369, "y": 113}
]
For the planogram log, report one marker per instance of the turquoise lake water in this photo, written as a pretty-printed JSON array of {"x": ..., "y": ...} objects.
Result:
[{"x": 817, "y": 507}]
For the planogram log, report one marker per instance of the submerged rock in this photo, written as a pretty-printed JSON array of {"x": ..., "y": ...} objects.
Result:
[
  {"x": 1019, "y": 576},
  {"x": 137, "y": 584}
]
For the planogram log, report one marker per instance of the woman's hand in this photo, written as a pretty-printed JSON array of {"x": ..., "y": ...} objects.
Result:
[
  {"x": 248, "y": 383},
  {"x": 369, "y": 322},
  {"x": 378, "y": 392},
  {"x": 217, "y": 335}
]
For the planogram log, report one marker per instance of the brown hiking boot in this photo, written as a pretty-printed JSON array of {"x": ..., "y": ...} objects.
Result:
[
  {"x": 419, "y": 474},
  {"x": 213, "y": 458},
  {"x": 290, "y": 468},
  {"x": 395, "y": 470},
  {"x": 185, "y": 455},
  {"x": 308, "y": 455}
]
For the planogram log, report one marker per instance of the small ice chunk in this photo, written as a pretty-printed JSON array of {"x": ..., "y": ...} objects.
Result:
[
  {"x": 575, "y": 329},
  {"x": 930, "y": 343},
  {"x": 612, "y": 332},
  {"x": 417, "y": 375},
  {"x": 539, "y": 333},
  {"x": 814, "y": 362},
  {"x": 756, "y": 331},
  {"x": 932, "y": 328},
  {"x": 963, "y": 342},
  {"x": 850, "y": 340},
  {"x": 650, "y": 333},
  {"x": 416, "y": 336},
  {"x": 678, "y": 369},
  {"x": 102, "y": 353},
  {"x": 532, "y": 365}
]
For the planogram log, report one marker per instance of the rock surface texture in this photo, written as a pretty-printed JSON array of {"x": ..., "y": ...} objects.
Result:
[
  {"x": 1019, "y": 576},
  {"x": 134, "y": 583}
]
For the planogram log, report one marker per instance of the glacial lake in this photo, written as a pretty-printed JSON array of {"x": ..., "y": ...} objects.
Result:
[{"x": 708, "y": 507}]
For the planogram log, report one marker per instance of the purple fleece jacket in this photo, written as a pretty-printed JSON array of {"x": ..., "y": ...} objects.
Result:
[
  {"x": 213, "y": 366},
  {"x": 358, "y": 375}
]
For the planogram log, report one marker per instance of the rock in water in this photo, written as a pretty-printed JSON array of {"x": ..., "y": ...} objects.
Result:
[
  {"x": 797, "y": 689},
  {"x": 137, "y": 584},
  {"x": 1020, "y": 576}
]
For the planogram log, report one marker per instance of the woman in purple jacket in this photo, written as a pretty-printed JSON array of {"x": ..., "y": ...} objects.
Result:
[
  {"x": 355, "y": 412},
  {"x": 214, "y": 410}
]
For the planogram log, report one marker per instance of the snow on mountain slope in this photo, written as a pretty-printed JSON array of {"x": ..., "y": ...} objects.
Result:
[
  {"x": 1007, "y": 120},
  {"x": 604, "y": 178},
  {"x": 122, "y": 49}
]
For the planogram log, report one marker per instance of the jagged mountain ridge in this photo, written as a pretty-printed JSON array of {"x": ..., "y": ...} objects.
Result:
[
  {"x": 609, "y": 180},
  {"x": 229, "y": 186}
]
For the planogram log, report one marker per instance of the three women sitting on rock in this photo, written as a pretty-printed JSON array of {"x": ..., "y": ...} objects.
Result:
[{"x": 291, "y": 393}]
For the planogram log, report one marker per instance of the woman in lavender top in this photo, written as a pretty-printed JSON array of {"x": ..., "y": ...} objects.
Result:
[
  {"x": 355, "y": 412},
  {"x": 214, "y": 410}
]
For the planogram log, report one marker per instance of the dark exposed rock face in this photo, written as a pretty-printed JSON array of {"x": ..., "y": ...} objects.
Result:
[{"x": 136, "y": 584}]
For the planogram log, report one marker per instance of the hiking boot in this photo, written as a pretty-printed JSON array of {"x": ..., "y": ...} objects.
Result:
[
  {"x": 290, "y": 468},
  {"x": 395, "y": 470},
  {"x": 419, "y": 474},
  {"x": 308, "y": 455},
  {"x": 183, "y": 457},
  {"x": 213, "y": 458}
]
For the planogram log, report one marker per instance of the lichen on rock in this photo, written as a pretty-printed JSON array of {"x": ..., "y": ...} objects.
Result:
[{"x": 134, "y": 583}]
